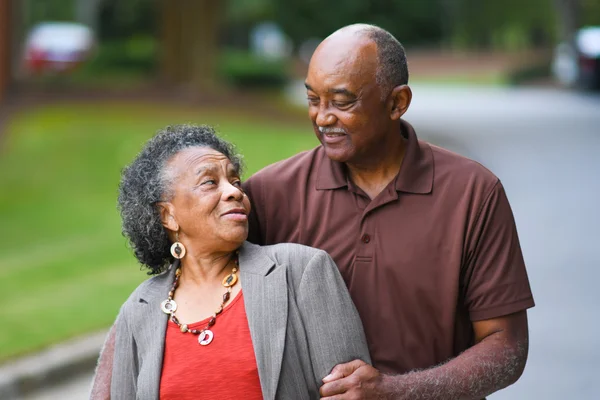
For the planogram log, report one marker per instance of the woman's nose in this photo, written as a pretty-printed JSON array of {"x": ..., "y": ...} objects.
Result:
[{"x": 233, "y": 192}]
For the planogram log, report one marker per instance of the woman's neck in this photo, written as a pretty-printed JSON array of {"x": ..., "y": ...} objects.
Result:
[{"x": 206, "y": 269}]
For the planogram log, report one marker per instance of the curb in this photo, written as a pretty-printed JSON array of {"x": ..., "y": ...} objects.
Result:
[{"x": 50, "y": 367}]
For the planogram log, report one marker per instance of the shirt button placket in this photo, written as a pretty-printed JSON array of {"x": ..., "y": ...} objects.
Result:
[{"x": 366, "y": 238}]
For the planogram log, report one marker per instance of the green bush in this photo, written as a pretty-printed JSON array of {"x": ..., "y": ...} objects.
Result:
[
  {"x": 136, "y": 54},
  {"x": 242, "y": 68}
]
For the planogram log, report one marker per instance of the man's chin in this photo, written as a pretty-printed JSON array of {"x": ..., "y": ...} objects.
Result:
[{"x": 336, "y": 154}]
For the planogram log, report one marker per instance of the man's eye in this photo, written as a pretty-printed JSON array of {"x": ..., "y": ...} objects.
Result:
[
  {"x": 209, "y": 182},
  {"x": 340, "y": 104},
  {"x": 313, "y": 101},
  {"x": 237, "y": 183}
]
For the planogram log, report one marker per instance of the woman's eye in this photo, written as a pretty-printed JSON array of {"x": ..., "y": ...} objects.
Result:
[
  {"x": 209, "y": 182},
  {"x": 237, "y": 183}
]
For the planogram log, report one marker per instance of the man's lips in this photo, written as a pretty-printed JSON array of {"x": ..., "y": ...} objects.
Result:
[{"x": 333, "y": 137}]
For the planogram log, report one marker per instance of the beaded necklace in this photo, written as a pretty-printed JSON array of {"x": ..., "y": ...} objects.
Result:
[{"x": 169, "y": 306}]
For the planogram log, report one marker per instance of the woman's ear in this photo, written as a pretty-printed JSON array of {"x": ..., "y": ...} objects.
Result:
[
  {"x": 166, "y": 211},
  {"x": 401, "y": 98}
]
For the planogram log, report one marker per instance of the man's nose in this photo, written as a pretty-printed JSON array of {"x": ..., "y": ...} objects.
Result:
[{"x": 325, "y": 117}]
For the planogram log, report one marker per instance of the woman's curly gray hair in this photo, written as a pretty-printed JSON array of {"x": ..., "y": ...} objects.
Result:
[{"x": 145, "y": 182}]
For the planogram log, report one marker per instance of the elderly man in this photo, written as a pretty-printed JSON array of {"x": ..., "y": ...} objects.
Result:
[{"x": 425, "y": 239}]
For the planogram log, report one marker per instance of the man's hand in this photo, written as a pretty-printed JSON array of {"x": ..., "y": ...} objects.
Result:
[{"x": 353, "y": 380}]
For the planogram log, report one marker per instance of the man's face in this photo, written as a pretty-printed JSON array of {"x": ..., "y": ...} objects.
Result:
[{"x": 344, "y": 100}]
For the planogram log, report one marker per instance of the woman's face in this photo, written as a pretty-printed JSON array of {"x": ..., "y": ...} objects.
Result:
[{"x": 208, "y": 205}]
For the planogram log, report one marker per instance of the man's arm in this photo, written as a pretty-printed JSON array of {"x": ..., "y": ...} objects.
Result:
[{"x": 496, "y": 361}]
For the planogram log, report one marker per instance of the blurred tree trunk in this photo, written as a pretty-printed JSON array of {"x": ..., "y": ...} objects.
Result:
[
  {"x": 189, "y": 30},
  {"x": 5, "y": 46},
  {"x": 450, "y": 11},
  {"x": 87, "y": 13},
  {"x": 569, "y": 14}
]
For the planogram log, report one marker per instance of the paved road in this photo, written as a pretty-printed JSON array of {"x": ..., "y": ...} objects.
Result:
[
  {"x": 544, "y": 145},
  {"x": 76, "y": 389}
]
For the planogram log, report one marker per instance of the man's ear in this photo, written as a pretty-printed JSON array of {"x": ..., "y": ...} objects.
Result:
[
  {"x": 401, "y": 98},
  {"x": 166, "y": 211}
]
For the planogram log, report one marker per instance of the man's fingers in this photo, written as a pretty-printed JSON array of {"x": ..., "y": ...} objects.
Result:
[
  {"x": 343, "y": 370},
  {"x": 339, "y": 386}
]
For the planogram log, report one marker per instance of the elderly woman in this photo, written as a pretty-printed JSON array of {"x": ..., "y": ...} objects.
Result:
[{"x": 221, "y": 318}]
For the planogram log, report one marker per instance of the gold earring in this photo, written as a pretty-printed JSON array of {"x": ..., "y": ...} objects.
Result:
[{"x": 177, "y": 249}]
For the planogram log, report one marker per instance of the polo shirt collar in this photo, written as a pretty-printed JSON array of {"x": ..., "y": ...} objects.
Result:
[{"x": 416, "y": 174}]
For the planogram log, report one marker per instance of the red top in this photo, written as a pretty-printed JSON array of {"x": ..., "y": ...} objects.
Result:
[{"x": 224, "y": 369}]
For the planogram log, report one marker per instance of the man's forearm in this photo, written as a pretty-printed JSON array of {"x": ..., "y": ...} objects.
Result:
[{"x": 489, "y": 366}]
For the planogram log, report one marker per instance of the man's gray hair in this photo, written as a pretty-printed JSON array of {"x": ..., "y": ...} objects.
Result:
[{"x": 393, "y": 68}]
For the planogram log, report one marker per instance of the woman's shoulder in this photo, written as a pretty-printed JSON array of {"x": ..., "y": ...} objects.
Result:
[
  {"x": 149, "y": 288},
  {"x": 295, "y": 258}
]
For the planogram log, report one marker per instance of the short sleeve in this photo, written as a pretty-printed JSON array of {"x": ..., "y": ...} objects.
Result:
[
  {"x": 495, "y": 281},
  {"x": 252, "y": 187}
]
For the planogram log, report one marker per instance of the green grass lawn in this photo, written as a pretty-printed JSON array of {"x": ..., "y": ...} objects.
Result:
[{"x": 64, "y": 266}]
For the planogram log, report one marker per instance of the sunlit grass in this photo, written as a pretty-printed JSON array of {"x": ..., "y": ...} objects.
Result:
[{"x": 64, "y": 266}]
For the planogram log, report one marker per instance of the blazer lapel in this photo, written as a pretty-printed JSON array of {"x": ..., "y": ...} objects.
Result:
[
  {"x": 266, "y": 303},
  {"x": 151, "y": 336}
]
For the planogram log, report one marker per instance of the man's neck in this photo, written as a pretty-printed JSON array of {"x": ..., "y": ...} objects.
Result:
[{"x": 372, "y": 177}]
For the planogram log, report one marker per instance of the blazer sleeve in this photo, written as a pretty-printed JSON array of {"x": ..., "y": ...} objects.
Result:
[
  {"x": 332, "y": 324},
  {"x": 102, "y": 376},
  {"x": 125, "y": 366}
]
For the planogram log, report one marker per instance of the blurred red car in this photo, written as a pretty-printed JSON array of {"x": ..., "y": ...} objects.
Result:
[
  {"x": 57, "y": 47},
  {"x": 578, "y": 64}
]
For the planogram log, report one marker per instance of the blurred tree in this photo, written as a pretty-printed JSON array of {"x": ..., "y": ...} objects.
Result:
[
  {"x": 240, "y": 17},
  {"x": 48, "y": 10},
  {"x": 568, "y": 12},
  {"x": 412, "y": 22},
  {"x": 590, "y": 12},
  {"x": 5, "y": 46},
  {"x": 189, "y": 35},
  {"x": 87, "y": 12},
  {"x": 506, "y": 25},
  {"x": 123, "y": 19}
]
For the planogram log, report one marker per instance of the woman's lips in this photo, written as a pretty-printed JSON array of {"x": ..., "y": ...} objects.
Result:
[{"x": 236, "y": 215}]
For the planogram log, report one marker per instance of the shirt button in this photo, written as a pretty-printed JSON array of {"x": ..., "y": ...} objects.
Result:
[{"x": 366, "y": 238}]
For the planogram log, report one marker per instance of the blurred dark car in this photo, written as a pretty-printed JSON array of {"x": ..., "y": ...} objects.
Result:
[
  {"x": 57, "y": 47},
  {"x": 577, "y": 64}
]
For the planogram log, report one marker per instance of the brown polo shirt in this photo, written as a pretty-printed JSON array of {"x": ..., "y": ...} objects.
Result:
[{"x": 435, "y": 250}]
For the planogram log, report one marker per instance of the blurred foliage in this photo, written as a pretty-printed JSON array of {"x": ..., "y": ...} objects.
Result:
[
  {"x": 590, "y": 12},
  {"x": 244, "y": 69},
  {"x": 503, "y": 25},
  {"x": 413, "y": 22},
  {"x": 48, "y": 10},
  {"x": 127, "y": 28},
  {"x": 63, "y": 259},
  {"x": 135, "y": 53},
  {"x": 120, "y": 19},
  {"x": 507, "y": 25}
]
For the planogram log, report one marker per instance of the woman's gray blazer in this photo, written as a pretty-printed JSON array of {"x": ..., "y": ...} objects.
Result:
[{"x": 302, "y": 323}]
